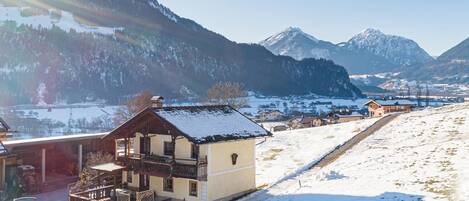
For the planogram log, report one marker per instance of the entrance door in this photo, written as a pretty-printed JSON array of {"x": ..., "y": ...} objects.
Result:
[
  {"x": 144, "y": 182},
  {"x": 145, "y": 145}
]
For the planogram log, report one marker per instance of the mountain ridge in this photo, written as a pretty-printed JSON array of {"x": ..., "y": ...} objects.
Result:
[
  {"x": 397, "y": 49},
  {"x": 358, "y": 55},
  {"x": 151, "y": 48}
]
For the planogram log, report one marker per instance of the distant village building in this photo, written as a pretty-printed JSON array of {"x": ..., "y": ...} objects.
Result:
[
  {"x": 340, "y": 109},
  {"x": 271, "y": 115},
  {"x": 342, "y": 118},
  {"x": 279, "y": 128},
  {"x": 306, "y": 122},
  {"x": 185, "y": 153},
  {"x": 312, "y": 122},
  {"x": 378, "y": 108}
]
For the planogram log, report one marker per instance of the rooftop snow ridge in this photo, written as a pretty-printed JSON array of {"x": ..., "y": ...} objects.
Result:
[{"x": 211, "y": 123}]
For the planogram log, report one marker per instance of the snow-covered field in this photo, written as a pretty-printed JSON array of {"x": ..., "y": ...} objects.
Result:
[
  {"x": 289, "y": 152},
  {"x": 421, "y": 155},
  {"x": 73, "y": 112},
  {"x": 49, "y": 18}
]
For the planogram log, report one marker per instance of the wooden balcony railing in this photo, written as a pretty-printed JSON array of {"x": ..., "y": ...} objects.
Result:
[
  {"x": 95, "y": 194},
  {"x": 164, "y": 166},
  {"x": 104, "y": 193}
]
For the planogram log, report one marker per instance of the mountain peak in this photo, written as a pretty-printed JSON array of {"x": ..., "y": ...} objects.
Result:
[
  {"x": 293, "y": 29},
  {"x": 371, "y": 31},
  {"x": 397, "y": 49},
  {"x": 288, "y": 34}
]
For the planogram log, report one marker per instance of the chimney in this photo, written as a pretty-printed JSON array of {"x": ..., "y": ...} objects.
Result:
[{"x": 157, "y": 101}]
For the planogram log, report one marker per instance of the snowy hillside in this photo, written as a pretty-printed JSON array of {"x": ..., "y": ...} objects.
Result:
[
  {"x": 399, "y": 50},
  {"x": 83, "y": 51},
  {"x": 288, "y": 152},
  {"x": 419, "y": 156},
  {"x": 37, "y": 18},
  {"x": 452, "y": 67}
]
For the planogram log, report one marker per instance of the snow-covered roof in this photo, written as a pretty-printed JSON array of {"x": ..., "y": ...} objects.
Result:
[
  {"x": 204, "y": 124},
  {"x": 353, "y": 114},
  {"x": 3, "y": 125},
  {"x": 156, "y": 98},
  {"x": 392, "y": 102},
  {"x": 107, "y": 167},
  {"x": 3, "y": 149},
  {"x": 43, "y": 140}
]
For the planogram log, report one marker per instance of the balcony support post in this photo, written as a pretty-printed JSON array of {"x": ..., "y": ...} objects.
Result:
[
  {"x": 173, "y": 142},
  {"x": 43, "y": 165},
  {"x": 80, "y": 158}
]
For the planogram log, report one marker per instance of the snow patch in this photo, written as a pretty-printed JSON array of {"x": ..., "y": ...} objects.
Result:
[
  {"x": 62, "y": 19},
  {"x": 163, "y": 10}
]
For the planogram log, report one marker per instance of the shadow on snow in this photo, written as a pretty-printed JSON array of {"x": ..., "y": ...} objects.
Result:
[{"x": 387, "y": 196}]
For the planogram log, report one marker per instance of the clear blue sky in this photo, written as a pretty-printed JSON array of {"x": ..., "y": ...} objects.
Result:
[{"x": 436, "y": 25}]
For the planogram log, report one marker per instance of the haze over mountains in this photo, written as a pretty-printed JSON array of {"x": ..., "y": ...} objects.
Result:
[
  {"x": 55, "y": 50},
  {"x": 452, "y": 67},
  {"x": 370, "y": 51}
]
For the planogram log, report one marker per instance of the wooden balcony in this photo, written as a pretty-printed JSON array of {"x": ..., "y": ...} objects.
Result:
[
  {"x": 161, "y": 166},
  {"x": 95, "y": 194},
  {"x": 104, "y": 193}
]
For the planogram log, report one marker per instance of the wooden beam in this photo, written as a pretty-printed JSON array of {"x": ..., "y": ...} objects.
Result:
[
  {"x": 173, "y": 142},
  {"x": 43, "y": 166},
  {"x": 80, "y": 158}
]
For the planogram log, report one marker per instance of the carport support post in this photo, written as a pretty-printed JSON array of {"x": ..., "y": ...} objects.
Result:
[
  {"x": 2, "y": 184},
  {"x": 80, "y": 158},
  {"x": 43, "y": 167}
]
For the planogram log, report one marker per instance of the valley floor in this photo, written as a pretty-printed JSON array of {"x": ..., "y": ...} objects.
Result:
[{"x": 421, "y": 155}]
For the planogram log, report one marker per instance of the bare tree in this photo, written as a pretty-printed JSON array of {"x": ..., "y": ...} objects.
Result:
[
  {"x": 408, "y": 91},
  {"x": 227, "y": 93},
  {"x": 419, "y": 95},
  {"x": 132, "y": 107}
]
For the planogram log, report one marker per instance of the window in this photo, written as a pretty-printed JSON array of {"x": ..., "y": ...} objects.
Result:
[
  {"x": 194, "y": 151},
  {"x": 168, "y": 184},
  {"x": 168, "y": 148},
  {"x": 193, "y": 188},
  {"x": 234, "y": 158},
  {"x": 129, "y": 176},
  {"x": 145, "y": 145}
]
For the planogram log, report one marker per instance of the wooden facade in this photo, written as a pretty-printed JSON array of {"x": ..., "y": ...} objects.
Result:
[
  {"x": 378, "y": 108},
  {"x": 147, "y": 123}
]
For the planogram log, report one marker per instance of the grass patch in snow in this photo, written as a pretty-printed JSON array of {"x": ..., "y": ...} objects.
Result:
[{"x": 273, "y": 154}]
